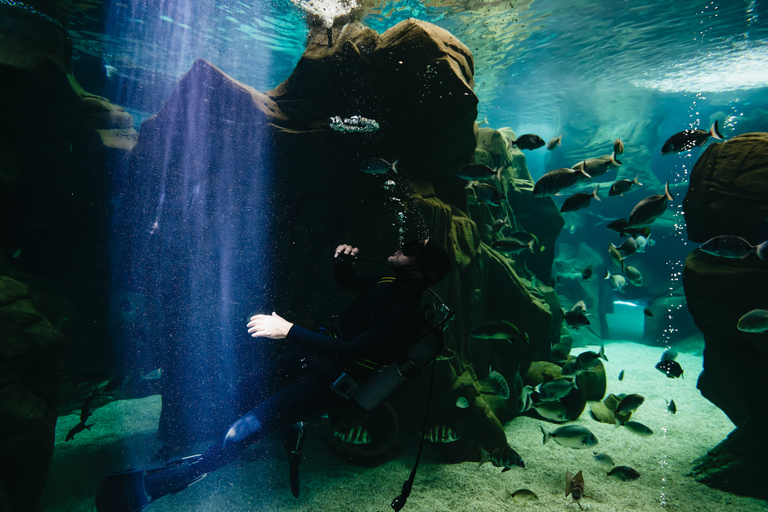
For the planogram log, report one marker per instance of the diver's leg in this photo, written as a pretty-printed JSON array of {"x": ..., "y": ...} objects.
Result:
[{"x": 284, "y": 408}]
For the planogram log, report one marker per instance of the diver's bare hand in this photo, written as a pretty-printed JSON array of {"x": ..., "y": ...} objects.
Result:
[
  {"x": 269, "y": 326},
  {"x": 346, "y": 249}
]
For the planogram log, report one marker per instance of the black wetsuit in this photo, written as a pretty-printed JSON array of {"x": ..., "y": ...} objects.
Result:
[{"x": 379, "y": 325}]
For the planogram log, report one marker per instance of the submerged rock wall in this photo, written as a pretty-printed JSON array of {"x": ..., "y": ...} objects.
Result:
[
  {"x": 728, "y": 195},
  {"x": 415, "y": 80}
]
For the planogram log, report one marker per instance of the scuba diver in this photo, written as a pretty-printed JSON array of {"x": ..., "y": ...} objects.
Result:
[{"x": 377, "y": 332}]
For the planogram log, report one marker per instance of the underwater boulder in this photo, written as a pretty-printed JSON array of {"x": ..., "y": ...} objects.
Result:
[
  {"x": 729, "y": 195},
  {"x": 415, "y": 80},
  {"x": 31, "y": 358},
  {"x": 728, "y": 190}
]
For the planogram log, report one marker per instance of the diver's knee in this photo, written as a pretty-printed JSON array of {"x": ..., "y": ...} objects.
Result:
[{"x": 244, "y": 428}]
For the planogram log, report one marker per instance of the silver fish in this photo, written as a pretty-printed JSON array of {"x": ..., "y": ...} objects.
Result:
[
  {"x": 624, "y": 473},
  {"x": 554, "y": 142},
  {"x": 650, "y": 209},
  {"x": 555, "y": 389},
  {"x": 488, "y": 194},
  {"x": 604, "y": 460},
  {"x": 513, "y": 245},
  {"x": 498, "y": 384},
  {"x": 521, "y": 496},
  {"x": 618, "y": 147},
  {"x": 633, "y": 275},
  {"x": 574, "y": 485},
  {"x": 553, "y": 411},
  {"x": 378, "y": 166},
  {"x": 637, "y": 428},
  {"x": 617, "y": 282},
  {"x": 559, "y": 179},
  {"x": 598, "y": 166},
  {"x": 630, "y": 403},
  {"x": 729, "y": 246},
  {"x": 628, "y": 247},
  {"x": 754, "y": 321},
  {"x": 462, "y": 402},
  {"x": 620, "y": 187},
  {"x": 689, "y": 139},
  {"x": 579, "y": 201}
]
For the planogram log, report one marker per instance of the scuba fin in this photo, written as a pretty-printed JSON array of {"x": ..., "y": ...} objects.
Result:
[
  {"x": 132, "y": 490},
  {"x": 293, "y": 441}
]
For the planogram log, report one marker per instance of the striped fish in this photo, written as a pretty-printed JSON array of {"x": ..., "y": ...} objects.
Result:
[
  {"x": 441, "y": 434},
  {"x": 355, "y": 435}
]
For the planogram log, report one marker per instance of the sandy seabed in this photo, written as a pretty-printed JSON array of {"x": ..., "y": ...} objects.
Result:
[{"x": 124, "y": 436}]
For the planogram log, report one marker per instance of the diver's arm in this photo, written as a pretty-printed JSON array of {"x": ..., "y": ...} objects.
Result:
[
  {"x": 344, "y": 272},
  {"x": 395, "y": 328},
  {"x": 265, "y": 326}
]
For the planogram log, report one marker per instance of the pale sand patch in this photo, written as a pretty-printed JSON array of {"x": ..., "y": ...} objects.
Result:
[{"x": 124, "y": 434}]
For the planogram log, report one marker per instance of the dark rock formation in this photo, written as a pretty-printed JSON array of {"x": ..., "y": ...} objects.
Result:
[
  {"x": 415, "y": 80},
  {"x": 58, "y": 146},
  {"x": 728, "y": 190},
  {"x": 31, "y": 360},
  {"x": 729, "y": 195}
]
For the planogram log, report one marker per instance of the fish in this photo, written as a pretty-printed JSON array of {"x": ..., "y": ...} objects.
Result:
[
  {"x": 729, "y": 246},
  {"x": 529, "y": 141},
  {"x": 441, "y": 434},
  {"x": 586, "y": 273},
  {"x": 484, "y": 121},
  {"x": 513, "y": 245},
  {"x": 628, "y": 247},
  {"x": 76, "y": 430},
  {"x": 559, "y": 179},
  {"x": 525, "y": 237},
  {"x": 622, "y": 227},
  {"x": 603, "y": 459},
  {"x": 498, "y": 330},
  {"x": 643, "y": 242},
  {"x": 85, "y": 413},
  {"x": 505, "y": 457},
  {"x": 588, "y": 359},
  {"x": 486, "y": 194},
  {"x": 554, "y": 142},
  {"x": 553, "y": 411},
  {"x": 355, "y": 435},
  {"x": 630, "y": 403},
  {"x": 521, "y": 496},
  {"x": 621, "y": 187},
  {"x": 650, "y": 209},
  {"x": 498, "y": 384},
  {"x": 576, "y": 316},
  {"x": 571, "y": 436},
  {"x": 668, "y": 365},
  {"x": 624, "y": 473},
  {"x": 689, "y": 139},
  {"x": 616, "y": 256},
  {"x": 555, "y": 389},
  {"x": 574, "y": 485},
  {"x": 637, "y": 428},
  {"x": 754, "y": 321},
  {"x": 462, "y": 402},
  {"x": 633, "y": 275},
  {"x": 621, "y": 375},
  {"x": 500, "y": 224},
  {"x": 618, "y": 147},
  {"x": 378, "y": 166},
  {"x": 478, "y": 172},
  {"x": 617, "y": 282},
  {"x": 598, "y": 166},
  {"x": 671, "y": 407},
  {"x": 579, "y": 200}
]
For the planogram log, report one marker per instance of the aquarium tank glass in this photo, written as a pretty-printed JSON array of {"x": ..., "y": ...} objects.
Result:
[{"x": 355, "y": 255}]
